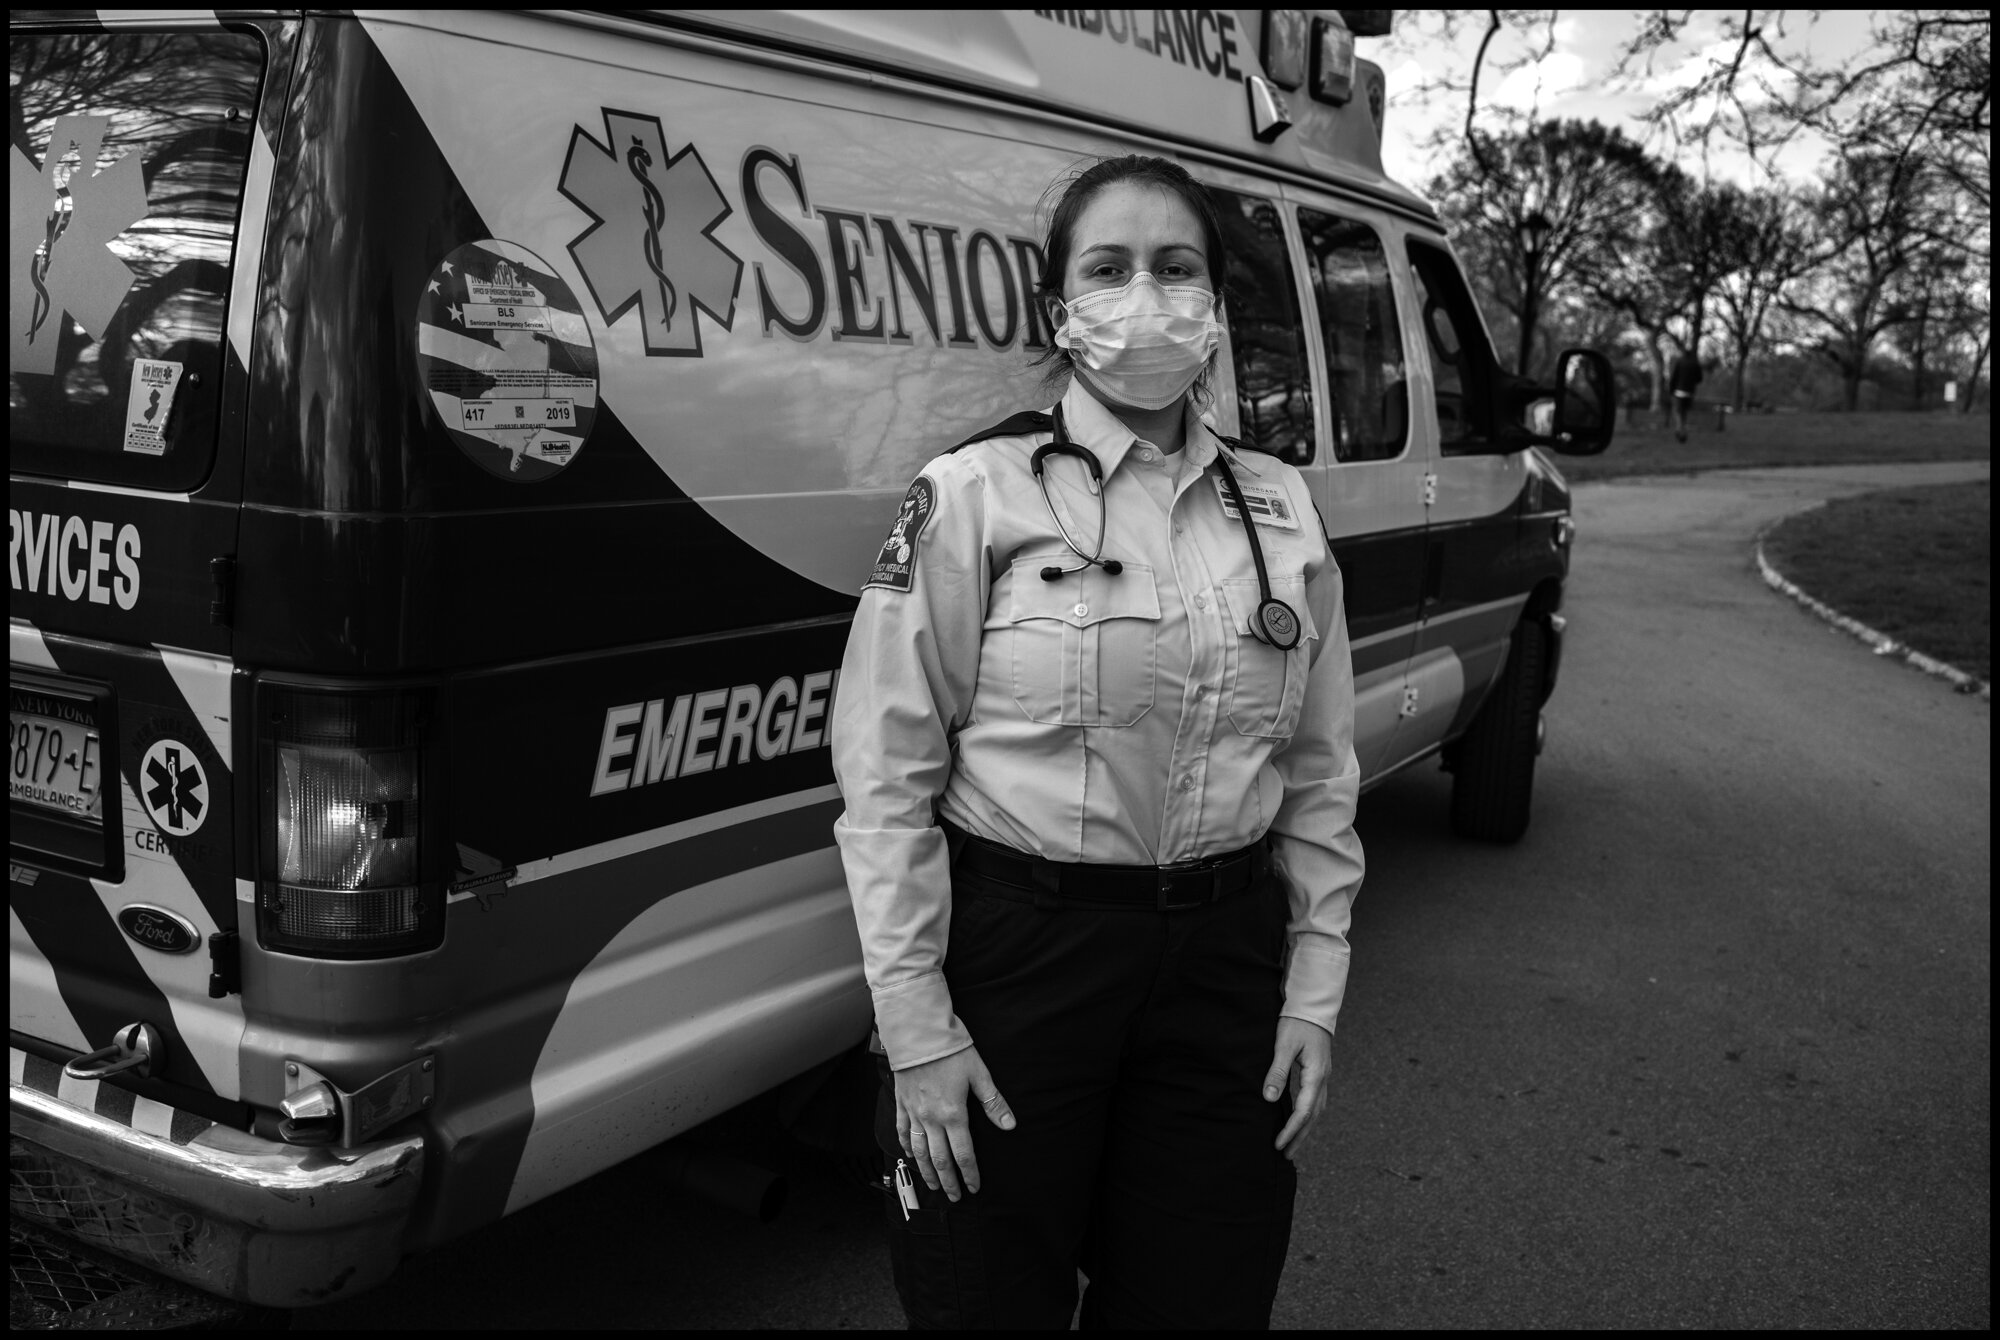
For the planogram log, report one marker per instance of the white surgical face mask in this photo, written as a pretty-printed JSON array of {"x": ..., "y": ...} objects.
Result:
[{"x": 1143, "y": 343}]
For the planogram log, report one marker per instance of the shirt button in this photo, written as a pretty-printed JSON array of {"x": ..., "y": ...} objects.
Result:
[
  {"x": 1179, "y": 528},
  {"x": 1145, "y": 455},
  {"x": 1200, "y": 692},
  {"x": 1187, "y": 783},
  {"x": 1082, "y": 609},
  {"x": 1201, "y": 602}
]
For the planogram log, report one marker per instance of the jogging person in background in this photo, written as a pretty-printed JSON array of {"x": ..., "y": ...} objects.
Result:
[
  {"x": 1682, "y": 379},
  {"x": 1095, "y": 739}
]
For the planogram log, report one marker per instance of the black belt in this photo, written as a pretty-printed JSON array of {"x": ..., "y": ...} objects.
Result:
[{"x": 1161, "y": 888}]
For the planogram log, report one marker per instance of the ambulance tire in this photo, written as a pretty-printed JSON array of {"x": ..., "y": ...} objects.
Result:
[{"x": 1493, "y": 784}]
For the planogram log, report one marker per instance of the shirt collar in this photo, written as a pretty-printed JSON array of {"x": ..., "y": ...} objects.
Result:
[{"x": 1102, "y": 433}]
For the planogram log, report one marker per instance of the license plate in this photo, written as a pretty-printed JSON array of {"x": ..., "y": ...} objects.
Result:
[{"x": 57, "y": 755}]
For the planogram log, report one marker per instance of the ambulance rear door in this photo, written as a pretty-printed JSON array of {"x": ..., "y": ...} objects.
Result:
[{"x": 136, "y": 221}]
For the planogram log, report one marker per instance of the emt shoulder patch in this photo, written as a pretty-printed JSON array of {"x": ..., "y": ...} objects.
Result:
[{"x": 896, "y": 565}]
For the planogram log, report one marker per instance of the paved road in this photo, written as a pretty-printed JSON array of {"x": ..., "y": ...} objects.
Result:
[{"x": 1711, "y": 1047}]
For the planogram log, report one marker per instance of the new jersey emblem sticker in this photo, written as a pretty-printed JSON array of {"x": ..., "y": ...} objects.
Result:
[
  {"x": 896, "y": 565},
  {"x": 507, "y": 359}
]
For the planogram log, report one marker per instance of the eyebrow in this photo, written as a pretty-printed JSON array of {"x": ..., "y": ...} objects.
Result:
[{"x": 1117, "y": 249}]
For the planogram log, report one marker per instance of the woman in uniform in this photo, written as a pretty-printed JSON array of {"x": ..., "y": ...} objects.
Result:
[{"x": 1095, "y": 740}]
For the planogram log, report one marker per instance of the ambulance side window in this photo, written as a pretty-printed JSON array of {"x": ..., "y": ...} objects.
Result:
[
  {"x": 1461, "y": 362},
  {"x": 1356, "y": 297},
  {"x": 1266, "y": 330},
  {"x": 130, "y": 153}
]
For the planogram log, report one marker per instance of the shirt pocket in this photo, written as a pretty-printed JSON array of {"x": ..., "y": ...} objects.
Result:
[
  {"x": 1265, "y": 686},
  {"x": 1081, "y": 649}
]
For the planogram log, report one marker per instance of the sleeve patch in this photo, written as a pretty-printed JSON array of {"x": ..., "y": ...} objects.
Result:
[{"x": 896, "y": 565}]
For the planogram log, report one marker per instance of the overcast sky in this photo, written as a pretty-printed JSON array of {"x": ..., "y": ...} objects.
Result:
[{"x": 1573, "y": 80}]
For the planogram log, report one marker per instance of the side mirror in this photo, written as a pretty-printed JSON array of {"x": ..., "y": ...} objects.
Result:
[{"x": 1585, "y": 409}]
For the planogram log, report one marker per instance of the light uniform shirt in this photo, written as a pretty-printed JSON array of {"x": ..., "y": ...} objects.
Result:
[{"x": 1127, "y": 719}]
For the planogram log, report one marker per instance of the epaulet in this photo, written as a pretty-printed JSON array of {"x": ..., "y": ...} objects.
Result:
[{"x": 1027, "y": 421}]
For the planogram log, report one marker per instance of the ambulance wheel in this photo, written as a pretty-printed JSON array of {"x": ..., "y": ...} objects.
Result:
[{"x": 1494, "y": 781}]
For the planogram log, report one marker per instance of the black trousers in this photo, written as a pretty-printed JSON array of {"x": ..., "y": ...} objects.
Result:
[{"x": 1132, "y": 1047}]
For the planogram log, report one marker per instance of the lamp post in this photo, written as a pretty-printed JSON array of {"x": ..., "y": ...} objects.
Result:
[{"x": 1534, "y": 231}]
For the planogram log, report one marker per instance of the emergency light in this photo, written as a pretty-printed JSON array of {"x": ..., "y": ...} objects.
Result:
[
  {"x": 1332, "y": 62},
  {"x": 342, "y": 870},
  {"x": 1301, "y": 48},
  {"x": 1284, "y": 52}
]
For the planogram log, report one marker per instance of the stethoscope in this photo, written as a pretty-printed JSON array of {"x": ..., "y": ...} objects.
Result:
[{"x": 1274, "y": 623}]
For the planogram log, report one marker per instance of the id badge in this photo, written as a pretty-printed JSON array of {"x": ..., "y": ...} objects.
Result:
[{"x": 1268, "y": 504}]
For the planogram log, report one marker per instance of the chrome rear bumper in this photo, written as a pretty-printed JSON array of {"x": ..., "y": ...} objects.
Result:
[{"x": 252, "y": 1219}]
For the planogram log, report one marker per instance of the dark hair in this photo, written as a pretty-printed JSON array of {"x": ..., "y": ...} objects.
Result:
[{"x": 1077, "y": 192}]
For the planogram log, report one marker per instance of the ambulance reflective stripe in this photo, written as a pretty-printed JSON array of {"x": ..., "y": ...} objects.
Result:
[
  {"x": 76, "y": 977},
  {"x": 1474, "y": 623},
  {"x": 247, "y": 270},
  {"x": 209, "y": 1029},
  {"x": 204, "y": 684},
  {"x": 106, "y": 1100},
  {"x": 26, "y": 647},
  {"x": 35, "y": 1003},
  {"x": 678, "y": 1016}
]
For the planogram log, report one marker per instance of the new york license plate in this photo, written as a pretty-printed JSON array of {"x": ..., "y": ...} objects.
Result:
[{"x": 57, "y": 757}]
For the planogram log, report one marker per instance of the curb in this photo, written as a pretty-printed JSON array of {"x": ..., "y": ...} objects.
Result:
[{"x": 1881, "y": 643}]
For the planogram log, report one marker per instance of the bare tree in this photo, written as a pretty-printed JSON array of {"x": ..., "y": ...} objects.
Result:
[
  {"x": 1585, "y": 180},
  {"x": 1666, "y": 278},
  {"x": 1869, "y": 219},
  {"x": 1765, "y": 248}
]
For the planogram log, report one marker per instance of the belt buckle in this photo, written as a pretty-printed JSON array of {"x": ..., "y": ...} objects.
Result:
[{"x": 1182, "y": 875}]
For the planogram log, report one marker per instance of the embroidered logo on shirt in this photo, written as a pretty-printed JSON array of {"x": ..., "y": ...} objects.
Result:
[{"x": 896, "y": 565}]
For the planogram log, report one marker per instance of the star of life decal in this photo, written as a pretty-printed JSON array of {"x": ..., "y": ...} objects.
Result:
[
  {"x": 649, "y": 245},
  {"x": 173, "y": 788},
  {"x": 62, "y": 217}
]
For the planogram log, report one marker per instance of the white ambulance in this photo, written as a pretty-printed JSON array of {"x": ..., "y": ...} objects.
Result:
[{"x": 444, "y": 452}]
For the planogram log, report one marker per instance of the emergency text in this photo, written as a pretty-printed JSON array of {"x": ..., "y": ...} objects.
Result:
[{"x": 698, "y": 732}]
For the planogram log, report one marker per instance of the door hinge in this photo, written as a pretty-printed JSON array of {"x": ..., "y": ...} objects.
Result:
[
  {"x": 1430, "y": 489},
  {"x": 1409, "y": 700},
  {"x": 225, "y": 965},
  {"x": 222, "y": 590}
]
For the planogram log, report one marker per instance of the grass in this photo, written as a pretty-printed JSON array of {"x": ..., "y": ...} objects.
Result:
[
  {"x": 1915, "y": 563},
  {"x": 1787, "y": 439}
]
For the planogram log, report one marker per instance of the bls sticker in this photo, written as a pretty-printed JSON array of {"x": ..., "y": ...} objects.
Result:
[
  {"x": 649, "y": 244},
  {"x": 173, "y": 788}
]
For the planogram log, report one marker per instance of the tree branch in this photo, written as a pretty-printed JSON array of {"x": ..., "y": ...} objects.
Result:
[{"x": 1472, "y": 97}]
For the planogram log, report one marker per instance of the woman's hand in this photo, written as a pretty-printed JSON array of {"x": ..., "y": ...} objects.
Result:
[
  {"x": 1305, "y": 1054},
  {"x": 933, "y": 1123}
]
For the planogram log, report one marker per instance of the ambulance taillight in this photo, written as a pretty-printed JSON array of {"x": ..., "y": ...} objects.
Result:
[{"x": 342, "y": 856}]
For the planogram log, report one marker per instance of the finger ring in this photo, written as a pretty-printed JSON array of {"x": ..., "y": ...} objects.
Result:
[{"x": 916, "y": 1134}]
